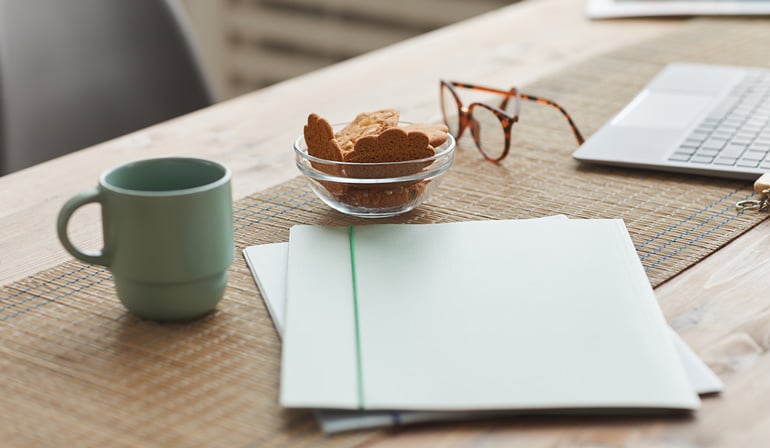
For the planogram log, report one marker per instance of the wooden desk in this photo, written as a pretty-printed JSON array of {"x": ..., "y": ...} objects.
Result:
[{"x": 514, "y": 45}]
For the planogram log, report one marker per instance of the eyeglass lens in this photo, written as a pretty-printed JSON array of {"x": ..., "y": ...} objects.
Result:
[
  {"x": 486, "y": 128},
  {"x": 487, "y": 131},
  {"x": 450, "y": 109}
]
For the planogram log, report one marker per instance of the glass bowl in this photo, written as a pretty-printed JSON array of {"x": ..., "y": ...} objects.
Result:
[{"x": 374, "y": 190}]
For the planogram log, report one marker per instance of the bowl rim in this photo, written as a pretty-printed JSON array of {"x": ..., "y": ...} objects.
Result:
[{"x": 450, "y": 145}]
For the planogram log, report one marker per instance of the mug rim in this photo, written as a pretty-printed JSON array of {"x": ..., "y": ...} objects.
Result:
[{"x": 224, "y": 179}]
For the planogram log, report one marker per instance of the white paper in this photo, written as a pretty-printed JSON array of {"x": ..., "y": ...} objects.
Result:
[
  {"x": 702, "y": 378},
  {"x": 268, "y": 263},
  {"x": 577, "y": 328},
  {"x": 268, "y": 266}
]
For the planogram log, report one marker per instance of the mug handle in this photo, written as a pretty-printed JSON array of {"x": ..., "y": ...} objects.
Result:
[{"x": 90, "y": 256}]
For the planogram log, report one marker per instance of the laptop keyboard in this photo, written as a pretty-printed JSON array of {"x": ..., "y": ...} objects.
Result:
[{"x": 737, "y": 132}]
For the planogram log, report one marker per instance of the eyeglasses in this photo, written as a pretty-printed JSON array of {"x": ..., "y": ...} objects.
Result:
[{"x": 490, "y": 126}]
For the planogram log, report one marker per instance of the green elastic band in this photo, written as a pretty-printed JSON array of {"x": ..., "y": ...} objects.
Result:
[{"x": 359, "y": 368}]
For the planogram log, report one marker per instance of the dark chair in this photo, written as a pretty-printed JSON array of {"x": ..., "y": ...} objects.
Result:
[{"x": 74, "y": 73}]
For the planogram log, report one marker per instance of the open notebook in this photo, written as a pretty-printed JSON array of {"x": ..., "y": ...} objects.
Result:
[
  {"x": 493, "y": 315},
  {"x": 268, "y": 264}
]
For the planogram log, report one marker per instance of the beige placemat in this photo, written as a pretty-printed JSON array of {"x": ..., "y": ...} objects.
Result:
[{"x": 77, "y": 370}]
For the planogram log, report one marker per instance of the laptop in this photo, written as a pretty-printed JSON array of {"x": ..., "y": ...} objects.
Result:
[{"x": 693, "y": 118}]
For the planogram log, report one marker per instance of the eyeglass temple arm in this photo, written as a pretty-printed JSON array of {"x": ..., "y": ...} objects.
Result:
[
  {"x": 508, "y": 95},
  {"x": 537, "y": 99}
]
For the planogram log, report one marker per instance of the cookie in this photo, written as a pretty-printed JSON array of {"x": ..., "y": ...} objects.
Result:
[
  {"x": 366, "y": 123},
  {"x": 393, "y": 145},
  {"x": 319, "y": 137},
  {"x": 437, "y": 133}
]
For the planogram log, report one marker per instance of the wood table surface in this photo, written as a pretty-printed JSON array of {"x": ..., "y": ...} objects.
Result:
[{"x": 715, "y": 305}]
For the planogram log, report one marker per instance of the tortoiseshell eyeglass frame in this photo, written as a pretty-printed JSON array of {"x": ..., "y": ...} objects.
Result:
[{"x": 465, "y": 114}]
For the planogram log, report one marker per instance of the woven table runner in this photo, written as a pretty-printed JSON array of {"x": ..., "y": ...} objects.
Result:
[{"x": 77, "y": 370}]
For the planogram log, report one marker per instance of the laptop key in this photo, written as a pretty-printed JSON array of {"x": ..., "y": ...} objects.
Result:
[
  {"x": 733, "y": 150},
  {"x": 679, "y": 157},
  {"x": 746, "y": 133},
  {"x": 741, "y": 140},
  {"x": 730, "y": 125},
  {"x": 744, "y": 163},
  {"x": 730, "y": 161},
  {"x": 754, "y": 155},
  {"x": 707, "y": 152},
  {"x": 701, "y": 159},
  {"x": 715, "y": 143}
]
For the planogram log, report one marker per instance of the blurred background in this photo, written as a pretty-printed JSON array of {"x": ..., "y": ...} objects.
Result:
[
  {"x": 74, "y": 73},
  {"x": 248, "y": 44}
]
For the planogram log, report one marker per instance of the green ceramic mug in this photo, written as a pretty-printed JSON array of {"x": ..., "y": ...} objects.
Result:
[{"x": 168, "y": 234}]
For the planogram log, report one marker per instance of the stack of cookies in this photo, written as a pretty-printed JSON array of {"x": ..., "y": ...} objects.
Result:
[{"x": 373, "y": 146}]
